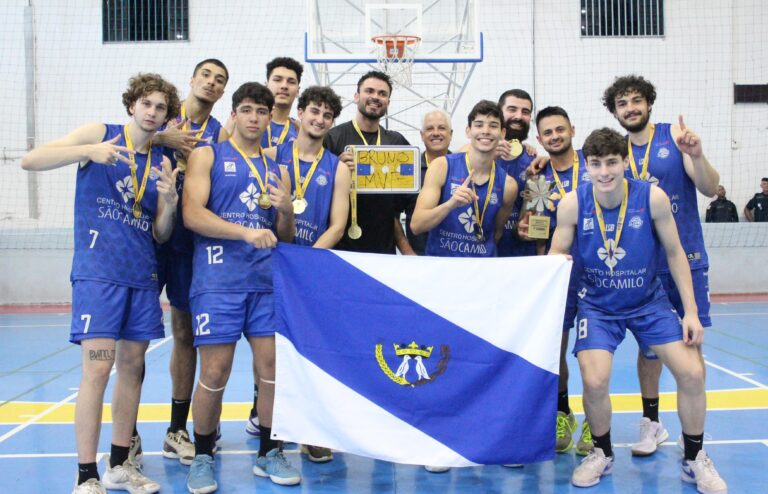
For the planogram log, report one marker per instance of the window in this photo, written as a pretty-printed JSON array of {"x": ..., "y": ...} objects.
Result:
[
  {"x": 145, "y": 20},
  {"x": 605, "y": 18}
]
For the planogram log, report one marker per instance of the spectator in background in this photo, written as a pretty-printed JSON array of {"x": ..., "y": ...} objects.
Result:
[
  {"x": 721, "y": 210},
  {"x": 757, "y": 207}
]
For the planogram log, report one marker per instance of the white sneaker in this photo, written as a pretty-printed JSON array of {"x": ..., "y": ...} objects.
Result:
[
  {"x": 252, "y": 426},
  {"x": 128, "y": 477},
  {"x": 434, "y": 469},
  {"x": 701, "y": 472},
  {"x": 651, "y": 435},
  {"x": 178, "y": 445},
  {"x": 90, "y": 486},
  {"x": 591, "y": 468}
]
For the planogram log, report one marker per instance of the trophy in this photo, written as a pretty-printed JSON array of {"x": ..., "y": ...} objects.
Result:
[{"x": 536, "y": 197}]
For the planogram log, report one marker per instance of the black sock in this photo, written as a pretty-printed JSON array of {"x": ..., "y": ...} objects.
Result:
[
  {"x": 603, "y": 442},
  {"x": 254, "y": 410},
  {"x": 179, "y": 414},
  {"x": 651, "y": 408},
  {"x": 562, "y": 402},
  {"x": 266, "y": 443},
  {"x": 118, "y": 455},
  {"x": 204, "y": 443},
  {"x": 692, "y": 444},
  {"x": 87, "y": 471}
]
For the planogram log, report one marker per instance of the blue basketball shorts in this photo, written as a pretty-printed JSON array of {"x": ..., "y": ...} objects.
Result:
[
  {"x": 106, "y": 310},
  {"x": 174, "y": 271},
  {"x": 223, "y": 317}
]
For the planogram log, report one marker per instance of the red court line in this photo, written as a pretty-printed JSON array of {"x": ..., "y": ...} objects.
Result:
[{"x": 739, "y": 297}]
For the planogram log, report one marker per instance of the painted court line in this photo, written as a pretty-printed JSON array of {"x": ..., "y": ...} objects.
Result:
[
  {"x": 66, "y": 400},
  {"x": 737, "y": 375}
]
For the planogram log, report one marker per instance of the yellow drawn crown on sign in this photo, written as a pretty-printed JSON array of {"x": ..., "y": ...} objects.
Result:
[{"x": 413, "y": 349}]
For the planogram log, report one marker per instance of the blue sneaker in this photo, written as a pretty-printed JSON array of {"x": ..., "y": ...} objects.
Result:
[
  {"x": 275, "y": 466},
  {"x": 200, "y": 478},
  {"x": 252, "y": 426}
]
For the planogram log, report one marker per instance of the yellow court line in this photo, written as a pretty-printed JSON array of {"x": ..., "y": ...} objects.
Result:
[{"x": 728, "y": 399}]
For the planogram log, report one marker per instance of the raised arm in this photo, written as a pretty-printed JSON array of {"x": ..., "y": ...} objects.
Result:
[
  {"x": 339, "y": 209},
  {"x": 666, "y": 231},
  {"x": 567, "y": 218},
  {"x": 167, "y": 199},
  {"x": 507, "y": 205},
  {"x": 81, "y": 145},
  {"x": 280, "y": 197},
  {"x": 697, "y": 167},
  {"x": 428, "y": 213}
]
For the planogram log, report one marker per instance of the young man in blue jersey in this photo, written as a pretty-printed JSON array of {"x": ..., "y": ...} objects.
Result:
[
  {"x": 124, "y": 201},
  {"x": 670, "y": 156},
  {"x": 319, "y": 189},
  {"x": 467, "y": 197},
  {"x": 238, "y": 203},
  {"x": 565, "y": 170},
  {"x": 616, "y": 227},
  {"x": 283, "y": 79},
  {"x": 194, "y": 127}
]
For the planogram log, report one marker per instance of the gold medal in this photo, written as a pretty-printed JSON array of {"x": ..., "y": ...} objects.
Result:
[
  {"x": 264, "y": 202},
  {"x": 479, "y": 235},
  {"x": 137, "y": 210},
  {"x": 515, "y": 148},
  {"x": 299, "y": 205},
  {"x": 355, "y": 232}
]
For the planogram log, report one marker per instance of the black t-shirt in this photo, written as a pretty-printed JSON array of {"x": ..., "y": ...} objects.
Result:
[
  {"x": 376, "y": 213},
  {"x": 722, "y": 211},
  {"x": 759, "y": 206}
]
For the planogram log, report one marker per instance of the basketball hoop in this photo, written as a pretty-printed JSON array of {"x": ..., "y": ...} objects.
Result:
[{"x": 395, "y": 55}]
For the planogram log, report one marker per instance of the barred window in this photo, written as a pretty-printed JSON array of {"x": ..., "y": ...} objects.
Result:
[
  {"x": 145, "y": 20},
  {"x": 605, "y": 18}
]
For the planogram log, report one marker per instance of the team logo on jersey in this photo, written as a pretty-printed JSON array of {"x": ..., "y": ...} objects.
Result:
[
  {"x": 229, "y": 167},
  {"x": 613, "y": 255},
  {"x": 416, "y": 355},
  {"x": 663, "y": 152},
  {"x": 321, "y": 180},
  {"x": 582, "y": 293},
  {"x": 125, "y": 188},
  {"x": 467, "y": 220},
  {"x": 494, "y": 198},
  {"x": 636, "y": 222},
  {"x": 454, "y": 187},
  {"x": 588, "y": 224},
  {"x": 610, "y": 227},
  {"x": 250, "y": 197}
]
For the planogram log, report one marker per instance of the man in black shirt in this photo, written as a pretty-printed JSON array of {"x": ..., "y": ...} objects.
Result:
[
  {"x": 436, "y": 133},
  {"x": 377, "y": 214},
  {"x": 757, "y": 207},
  {"x": 721, "y": 210}
]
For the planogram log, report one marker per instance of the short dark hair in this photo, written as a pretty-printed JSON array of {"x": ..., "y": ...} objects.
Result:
[
  {"x": 286, "y": 62},
  {"x": 484, "y": 107},
  {"x": 375, "y": 74},
  {"x": 320, "y": 95},
  {"x": 212, "y": 61},
  {"x": 259, "y": 93},
  {"x": 142, "y": 85},
  {"x": 604, "y": 142},
  {"x": 552, "y": 111},
  {"x": 517, "y": 93},
  {"x": 764, "y": 179},
  {"x": 625, "y": 85}
]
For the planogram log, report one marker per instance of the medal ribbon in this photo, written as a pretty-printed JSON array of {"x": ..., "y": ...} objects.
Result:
[
  {"x": 478, "y": 215},
  {"x": 574, "y": 179},
  {"x": 138, "y": 191},
  {"x": 301, "y": 189},
  {"x": 255, "y": 172},
  {"x": 282, "y": 134},
  {"x": 632, "y": 165},
  {"x": 360, "y": 133},
  {"x": 619, "y": 220},
  {"x": 184, "y": 122}
]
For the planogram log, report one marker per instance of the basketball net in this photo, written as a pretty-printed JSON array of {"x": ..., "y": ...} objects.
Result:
[{"x": 395, "y": 55}]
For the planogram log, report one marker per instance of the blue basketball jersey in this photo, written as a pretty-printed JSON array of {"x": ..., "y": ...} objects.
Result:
[
  {"x": 666, "y": 169},
  {"x": 221, "y": 265},
  {"x": 510, "y": 245},
  {"x": 182, "y": 240},
  {"x": 272, "y": 138},
  {"x": 110, "y": 243},
  {"x": 567, "y": 181},
  {"x": 313, "y": 222},
  {"x": 634, "y": 285},
  {"x": 455, "y": 235}
]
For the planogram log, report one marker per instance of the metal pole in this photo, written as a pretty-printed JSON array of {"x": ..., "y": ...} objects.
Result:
[{"x": 29, "y": 76}]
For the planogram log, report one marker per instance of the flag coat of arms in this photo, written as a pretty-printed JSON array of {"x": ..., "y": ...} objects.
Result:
[{"x": 419, "y": 360}]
